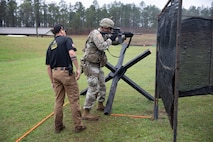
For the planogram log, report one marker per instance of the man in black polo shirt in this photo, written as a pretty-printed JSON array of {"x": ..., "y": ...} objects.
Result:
[{"x": 60, "y": 58}]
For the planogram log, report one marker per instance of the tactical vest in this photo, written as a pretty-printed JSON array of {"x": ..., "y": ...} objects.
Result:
[{"x": 92, "y": 54}]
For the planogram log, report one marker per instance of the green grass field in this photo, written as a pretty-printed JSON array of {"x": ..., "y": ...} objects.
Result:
[{"x": 26, "y": 98}]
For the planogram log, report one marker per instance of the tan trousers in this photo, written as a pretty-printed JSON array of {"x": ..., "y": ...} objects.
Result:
[{"x": 63, "y": 83}]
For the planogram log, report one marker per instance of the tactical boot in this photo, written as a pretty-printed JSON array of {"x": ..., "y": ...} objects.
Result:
[
  {"x": 59, "y": 130},
  {"x": 79, "y": 129},
  {"x": 100, "y": 106},
  {"x": 87, "y": 116}
]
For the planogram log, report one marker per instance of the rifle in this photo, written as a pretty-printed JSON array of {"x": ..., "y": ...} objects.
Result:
[{"x": 116, "y": 33}]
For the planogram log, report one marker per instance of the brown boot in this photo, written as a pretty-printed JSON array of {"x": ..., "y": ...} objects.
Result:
[
  {"x": 100, "y": 106},
  {"x": 87, "y": 116},
  {"x": 79, "y": 129}
]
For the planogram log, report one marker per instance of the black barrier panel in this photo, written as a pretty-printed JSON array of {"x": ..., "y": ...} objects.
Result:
[
  {"x": 184, "y": 59},
  {"x": 196, "y": 73},
  {"x": 165, "y": 62}
]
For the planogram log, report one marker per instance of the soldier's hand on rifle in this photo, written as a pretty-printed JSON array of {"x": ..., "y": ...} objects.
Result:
[
  {"x": 113, "y": 37},
  {"x": 123, "y": 37}
]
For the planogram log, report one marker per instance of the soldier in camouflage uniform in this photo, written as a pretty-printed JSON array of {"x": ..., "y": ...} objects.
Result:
[{"x": 93, "y": 59}]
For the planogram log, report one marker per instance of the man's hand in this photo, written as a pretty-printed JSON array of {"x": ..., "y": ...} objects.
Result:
[
  {"x": 52, "y": 85},
  {"x": 77, "y": 74},
  {"x": 113, "y": 37}
]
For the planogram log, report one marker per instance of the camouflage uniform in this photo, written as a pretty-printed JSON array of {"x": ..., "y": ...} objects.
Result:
[{"x": 93, "y": 59}]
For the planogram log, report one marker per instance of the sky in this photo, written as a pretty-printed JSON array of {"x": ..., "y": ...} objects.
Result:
[{"x": 158, "y": 3}]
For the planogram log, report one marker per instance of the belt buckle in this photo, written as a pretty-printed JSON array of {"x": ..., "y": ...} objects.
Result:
[
  {"x": 64, "y": 68},
  {"x": 60, "y": 68}
]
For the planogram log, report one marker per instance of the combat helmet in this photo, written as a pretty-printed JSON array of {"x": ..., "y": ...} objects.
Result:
[{"x": 107, "y": 23}]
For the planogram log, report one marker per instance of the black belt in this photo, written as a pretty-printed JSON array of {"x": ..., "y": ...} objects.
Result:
[{"x": 60, "y": 68}]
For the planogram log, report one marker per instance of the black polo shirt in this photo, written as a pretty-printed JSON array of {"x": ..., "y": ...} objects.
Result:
[{"x": 57, "y": 54}]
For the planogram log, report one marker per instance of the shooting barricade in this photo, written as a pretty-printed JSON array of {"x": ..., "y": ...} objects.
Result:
[{"x": 118, "y": 72}]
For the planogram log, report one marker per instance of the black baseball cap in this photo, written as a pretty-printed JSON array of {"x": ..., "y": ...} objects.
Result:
[{"x": 57, "y": 28}]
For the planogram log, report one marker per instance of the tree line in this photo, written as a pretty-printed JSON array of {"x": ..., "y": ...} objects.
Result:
[{"x": 78, "y": 19}]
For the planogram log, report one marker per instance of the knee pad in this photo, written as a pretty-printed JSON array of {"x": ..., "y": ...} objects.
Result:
[{"x": 93, "y": 81}]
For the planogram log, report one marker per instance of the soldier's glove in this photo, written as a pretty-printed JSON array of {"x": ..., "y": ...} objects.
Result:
[{"x": 113, "y": 37}]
